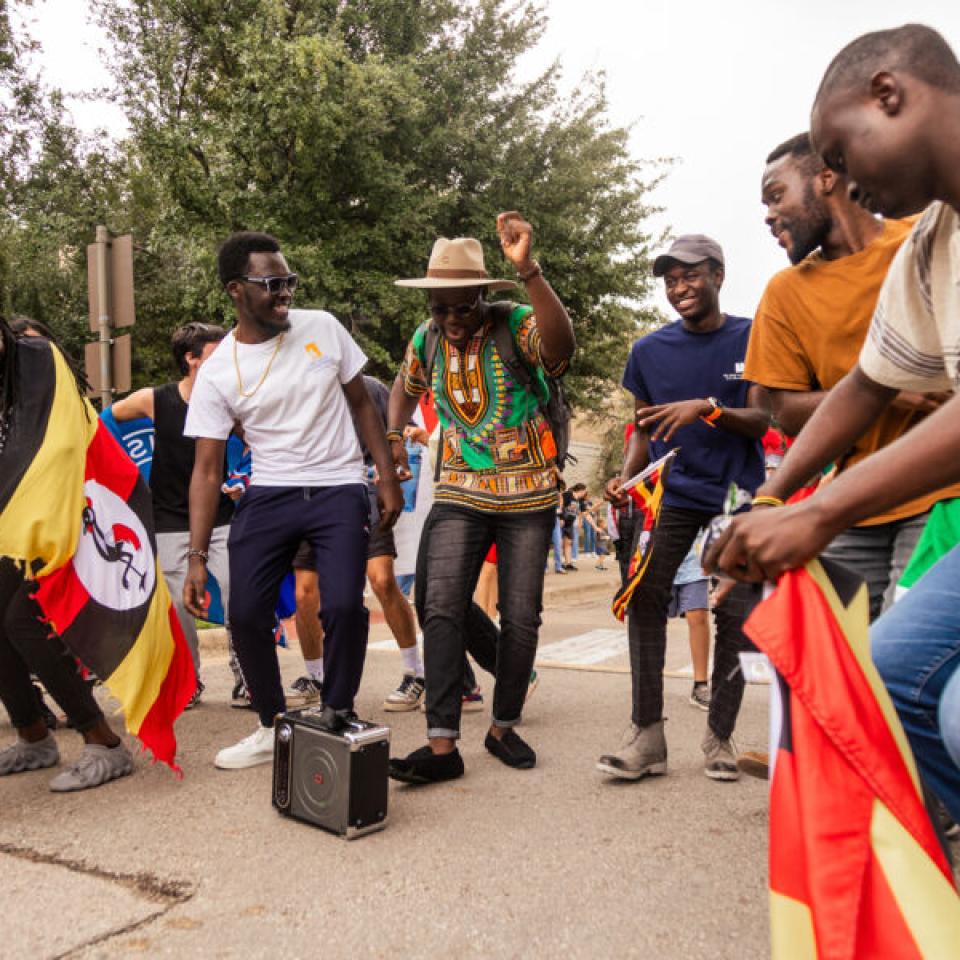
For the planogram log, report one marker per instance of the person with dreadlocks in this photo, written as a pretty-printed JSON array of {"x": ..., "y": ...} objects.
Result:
[{"x": 27, "y": 645}]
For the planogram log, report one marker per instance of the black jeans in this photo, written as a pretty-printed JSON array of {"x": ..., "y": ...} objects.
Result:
[
  {"x": 481, "y": 634},
  {"x": 27, "y": 645},
  {"x": 268, "y": 528},
  {"x": 647, "y": 627},
  {"x": 457, "y": 540}
]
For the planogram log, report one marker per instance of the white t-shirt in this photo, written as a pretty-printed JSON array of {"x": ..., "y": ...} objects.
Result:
[{"x": 297, "y": 424}]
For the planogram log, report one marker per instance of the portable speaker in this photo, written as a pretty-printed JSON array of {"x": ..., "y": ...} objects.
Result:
[{"x": 337, "y": 781}]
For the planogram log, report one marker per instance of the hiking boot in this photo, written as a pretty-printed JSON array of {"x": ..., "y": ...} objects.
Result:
[
  {"x": 424, "y": 766},
  {"x": 407, "y": 696},
  {"x": 700, "y": 696},
  {"x": 754, "y": 763},
  {"x": 97, "y": 765},
  {"x": 302, "y": 691},
  {"x": 643, "y": 752},
  {"x": 720, "y": 758},
  {"x": 21, "y": 756},
  {"x": 250, "y": 751},
  {"x": 512, "y": 750}
]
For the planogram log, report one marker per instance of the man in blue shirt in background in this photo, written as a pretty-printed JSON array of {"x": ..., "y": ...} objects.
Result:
[{"x": 689, "y": 392}]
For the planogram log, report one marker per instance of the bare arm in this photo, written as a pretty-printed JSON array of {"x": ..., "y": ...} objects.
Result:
[
  {"x": 138, "y": 404},
  {"x": 663, "y": 420},
  {"x": 635, "y": 458},
  {"x": 399, "y": 411},
  {"x": 793, "y": 408},
  {"x": 845, "y": 414},
  {"x": 762, "y": 545},
  {"x": 204, "y": 501},
  {"x": 370, "y": 428},
  {"x": 557, "y": 340}
]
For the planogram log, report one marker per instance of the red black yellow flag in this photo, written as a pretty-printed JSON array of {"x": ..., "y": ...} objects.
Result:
[
  {"x": 75, "y": 510},
  {"x": 855, "y": 866},
  {"x": 646, "y": 492}
]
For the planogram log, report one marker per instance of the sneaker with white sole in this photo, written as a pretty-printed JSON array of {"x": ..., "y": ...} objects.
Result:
[
  {"x": 720, "y": 758},
  {"x": 700, "y": 696},
  {"x": 407, "y": 696},
  {"x": 22, "y": 756},
  {"x": 303, "y": 691},
  {"x": 642, "y": 753},
  {"x": 97, "y": 765},
  {"x": 249, "y": 752}
]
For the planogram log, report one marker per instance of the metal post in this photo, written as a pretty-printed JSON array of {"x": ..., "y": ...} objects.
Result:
[{"x": 103, "y": 318}]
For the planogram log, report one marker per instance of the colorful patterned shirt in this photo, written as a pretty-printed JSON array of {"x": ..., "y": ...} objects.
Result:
[{"x": 498, "y": 451}]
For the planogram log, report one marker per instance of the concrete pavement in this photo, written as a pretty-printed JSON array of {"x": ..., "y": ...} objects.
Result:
[{"x": 502, "y": 863}]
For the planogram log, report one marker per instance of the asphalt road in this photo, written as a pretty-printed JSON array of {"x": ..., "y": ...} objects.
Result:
[{"x": 552, "y": 861}]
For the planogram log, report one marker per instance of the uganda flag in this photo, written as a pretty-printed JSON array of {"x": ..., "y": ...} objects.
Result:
[
  {"x": 855, "y": 866},
  {"x": 75, "y": 510},
  {"x": 646, "y": 492}
]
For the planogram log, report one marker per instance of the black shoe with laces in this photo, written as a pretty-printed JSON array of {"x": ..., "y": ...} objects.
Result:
[
  {"x": 424, "y": 766},
  {"x": 512, "y": 750}
]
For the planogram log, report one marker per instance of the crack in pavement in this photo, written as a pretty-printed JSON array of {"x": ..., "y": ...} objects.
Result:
[{"x": 169, "y": 893}]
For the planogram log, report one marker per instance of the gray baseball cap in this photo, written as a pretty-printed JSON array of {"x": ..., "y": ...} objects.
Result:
[{"x": 690, "y": 248}]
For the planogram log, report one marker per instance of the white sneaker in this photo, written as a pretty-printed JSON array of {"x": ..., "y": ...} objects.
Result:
[{"x": 252, "y": 750}]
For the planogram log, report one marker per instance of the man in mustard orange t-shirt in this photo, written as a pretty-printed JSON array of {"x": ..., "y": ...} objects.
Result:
[{"x": 810, "y": 326}]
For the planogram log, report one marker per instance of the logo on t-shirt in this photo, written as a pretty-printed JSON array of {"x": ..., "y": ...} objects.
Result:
[
  {"x": 317, "y": 358},
  {"x": 737, "y": 373}
]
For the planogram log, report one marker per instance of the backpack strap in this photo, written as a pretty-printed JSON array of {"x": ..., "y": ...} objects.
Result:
[
  {"x": 503, "y": 337},
  {"x": 431, "y": 343}
]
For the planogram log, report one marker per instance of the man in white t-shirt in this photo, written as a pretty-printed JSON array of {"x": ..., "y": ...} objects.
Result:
[{"x": 289, "y": 378}]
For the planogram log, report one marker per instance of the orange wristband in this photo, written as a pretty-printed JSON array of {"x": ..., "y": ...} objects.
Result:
[{"x": 715, "y": 414}]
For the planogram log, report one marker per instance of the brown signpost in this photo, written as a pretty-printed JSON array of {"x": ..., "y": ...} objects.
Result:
[{"x": 110, "y": 286}]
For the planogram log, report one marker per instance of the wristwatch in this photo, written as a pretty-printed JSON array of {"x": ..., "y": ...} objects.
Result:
[{"x": 715, "y": 414}]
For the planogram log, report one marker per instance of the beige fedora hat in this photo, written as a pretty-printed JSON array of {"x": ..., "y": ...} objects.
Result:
[{"x": 456, "y": 263}]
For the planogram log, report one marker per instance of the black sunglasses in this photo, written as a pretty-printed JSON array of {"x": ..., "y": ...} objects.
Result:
[
  {"x": 460, "y": 310},
  {"x": 273, "y": 285}
]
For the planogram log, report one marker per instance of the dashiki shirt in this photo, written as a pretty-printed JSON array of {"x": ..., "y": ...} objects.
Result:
[{"x": 498, "y": 450}]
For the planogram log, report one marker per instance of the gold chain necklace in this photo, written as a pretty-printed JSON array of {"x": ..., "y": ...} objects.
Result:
[{"x": 236, "y": 364}]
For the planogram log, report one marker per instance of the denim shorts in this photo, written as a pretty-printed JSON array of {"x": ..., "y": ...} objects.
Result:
[{"x": 688, "y": 596}]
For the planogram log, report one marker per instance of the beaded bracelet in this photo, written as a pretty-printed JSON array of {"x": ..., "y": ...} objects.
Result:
[{"x": 202, "y": 554}]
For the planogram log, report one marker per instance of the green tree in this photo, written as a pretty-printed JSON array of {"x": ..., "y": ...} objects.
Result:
[{"x": 354, "y": 130}]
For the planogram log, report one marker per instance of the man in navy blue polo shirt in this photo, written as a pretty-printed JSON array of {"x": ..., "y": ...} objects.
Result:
[{"x": 689, "y": 392}]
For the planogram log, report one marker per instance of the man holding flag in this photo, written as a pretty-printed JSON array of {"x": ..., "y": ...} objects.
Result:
[
  {"x": 845, "y": 795},
  {"x": 718, "y": 433}
]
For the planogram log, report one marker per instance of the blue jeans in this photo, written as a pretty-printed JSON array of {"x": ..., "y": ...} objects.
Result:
[
  {"x": 916, "y": 648},
  {"x": 589, "y": 537},
  {"x": 557, "y": 542},
  {"x": 458, "y": 541}
]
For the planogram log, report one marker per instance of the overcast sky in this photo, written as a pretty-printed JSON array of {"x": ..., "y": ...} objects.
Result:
[{"x": 715, "y": 86}]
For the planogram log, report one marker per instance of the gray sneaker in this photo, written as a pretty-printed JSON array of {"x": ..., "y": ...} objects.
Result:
[
  {"x": 21, "y": 756},
  {"x": 720, "y": 758},
  {"x": 97, "y": 765},
  {"x": 643, "y": 752},
  {"x": 700, "y": 696}
]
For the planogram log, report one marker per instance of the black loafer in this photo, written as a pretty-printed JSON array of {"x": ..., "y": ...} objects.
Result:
[
  {"x": 511, "y": 750},
  {"x": 425, "y": 766}
]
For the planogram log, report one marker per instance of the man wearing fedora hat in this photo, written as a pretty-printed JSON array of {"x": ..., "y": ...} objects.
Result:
[
  {"x": 497, "y": 481},
  {"x": 689, "y": 392}
]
